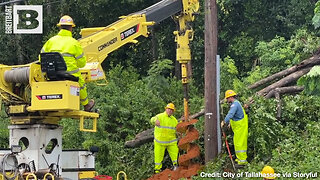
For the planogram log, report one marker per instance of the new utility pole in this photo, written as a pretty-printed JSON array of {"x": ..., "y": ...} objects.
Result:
[{"x": 211, "y": 43}]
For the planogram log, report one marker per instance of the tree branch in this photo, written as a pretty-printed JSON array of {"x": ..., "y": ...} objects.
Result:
[
  {"x": 314, "y": 60},
  {"x": 284, "y": 90},
  {"x": 284, "y": 81}
]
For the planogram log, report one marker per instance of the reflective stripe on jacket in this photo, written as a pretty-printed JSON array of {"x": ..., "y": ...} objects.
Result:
[
  {"x": 69, "y": 48},
  {"x": 166, "y": 132}
]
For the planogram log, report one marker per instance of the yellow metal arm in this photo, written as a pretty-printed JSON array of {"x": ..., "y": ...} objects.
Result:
[{"x": 98, "y": 42}]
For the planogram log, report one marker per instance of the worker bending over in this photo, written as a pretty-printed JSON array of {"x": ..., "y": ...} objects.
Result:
[
  {"x": 72, "y": 53},
  {"x": 239, "y": 123},
  {"x": 165, "y": 137}
]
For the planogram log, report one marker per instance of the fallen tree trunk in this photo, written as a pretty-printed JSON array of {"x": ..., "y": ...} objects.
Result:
[
  {"x": 140, "y": 140},
  {"x": 284, "y": 90},
  {"x": 147, "y": 135},
  {"x": 314, "y": 60},
  {"x": 284, "y": 81},
  {"x": 194, "y": 116},
  {"x": 277, "y": 94}
]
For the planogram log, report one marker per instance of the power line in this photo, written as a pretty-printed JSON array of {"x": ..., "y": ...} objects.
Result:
[
  {"x": 9, "y": 2},
  {"x": 15, "y": 1}
]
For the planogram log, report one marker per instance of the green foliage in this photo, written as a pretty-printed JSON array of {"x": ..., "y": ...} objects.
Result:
[
  {"x": 316, "y": 17},
  {"x": 159, "y": 66},
  {"x": 198, "y": 48},
  {"x": 241, "y": 27},
  {"x": 276, "y": 55},
  {"x": 304, "y": 43},
  {"x": 70, "y": 133},
  {"x": 228, "y": 73},
  {"x": 242, "y": 46},
  {"x": 299, "y": 110},
  {"x": 279, "y": 54},
  {"x": 301, "y": 150},
  {"x": 255, "y": 75},
  {"x": 310, "y": 81},
  {"x": 263, "y": 134},
  {"x": 4, "y": 131}
]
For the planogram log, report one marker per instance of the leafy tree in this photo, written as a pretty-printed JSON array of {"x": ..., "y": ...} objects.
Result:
[
  {"x": 279, "y": 54},
  {"x": 4, "y": 132},
  {"x": 243, "y": 23},
  {"x": 310, "y": 81},
  {"x": 316, "y": 17}
]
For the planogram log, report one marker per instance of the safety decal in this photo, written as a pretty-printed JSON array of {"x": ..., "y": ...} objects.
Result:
[{"x": 74, "y": 90}]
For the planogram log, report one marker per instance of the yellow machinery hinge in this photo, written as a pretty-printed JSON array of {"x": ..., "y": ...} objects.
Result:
[{"x": 82, "y": 115}]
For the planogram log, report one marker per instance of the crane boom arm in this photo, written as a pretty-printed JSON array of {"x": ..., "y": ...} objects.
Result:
[{"x": 99, "y": 42}]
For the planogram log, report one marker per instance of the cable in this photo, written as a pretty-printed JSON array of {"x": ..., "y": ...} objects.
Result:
[
  {"x": 14, "y": 166},
  {"x": 5, "y": 3}
]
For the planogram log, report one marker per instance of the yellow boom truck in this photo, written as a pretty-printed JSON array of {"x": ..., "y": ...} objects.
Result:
[{"x": 38, "y": 95}]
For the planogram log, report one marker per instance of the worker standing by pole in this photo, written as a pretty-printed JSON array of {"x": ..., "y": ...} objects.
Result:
[
  {"x": 72, "y": 53},
  {"x": 165, "y": 137},
  {"x": 239, "y": 123}
]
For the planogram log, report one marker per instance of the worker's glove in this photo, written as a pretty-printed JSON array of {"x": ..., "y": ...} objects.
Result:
[
  {"x": 157, "y": 123},
  {"x": 222, "y": 124},
  {"x": 179, "y": 134}
]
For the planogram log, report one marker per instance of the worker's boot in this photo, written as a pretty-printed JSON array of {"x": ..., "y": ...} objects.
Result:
[
  {"x": 239, "y": 165},
  {"x": 156, "y": 171},
  {"x": 175, "y": 167},
  {"x": 88, "y": 107}
]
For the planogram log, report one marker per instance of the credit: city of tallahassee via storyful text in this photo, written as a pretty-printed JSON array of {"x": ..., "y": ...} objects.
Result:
[{"x": 258, "y": 174}]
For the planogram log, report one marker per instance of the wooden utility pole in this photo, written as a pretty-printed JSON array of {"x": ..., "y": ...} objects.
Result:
[{"x": 211, "y": 43}]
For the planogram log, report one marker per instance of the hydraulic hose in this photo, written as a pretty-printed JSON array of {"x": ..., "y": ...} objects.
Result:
[
  {"x": 17, "y": 75},
  {"x": 9, "y": 161}
]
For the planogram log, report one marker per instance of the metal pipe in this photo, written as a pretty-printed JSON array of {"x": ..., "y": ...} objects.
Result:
[
  {"x": 184, "y": 73},
  {"x": 185, "y": 103},
  {"x": 17, "y": 75}
]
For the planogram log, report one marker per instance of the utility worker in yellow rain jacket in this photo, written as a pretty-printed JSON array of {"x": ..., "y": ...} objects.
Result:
[
  {"x": 72, "y": 53},
  {"x": 239, "y": 123},
  {"x": 165, "y": 137}
]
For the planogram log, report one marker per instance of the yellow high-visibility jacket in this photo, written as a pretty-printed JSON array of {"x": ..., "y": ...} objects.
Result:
[
  {"x": 69, "y": 48},
  {"x": 166, "y": 132}
]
